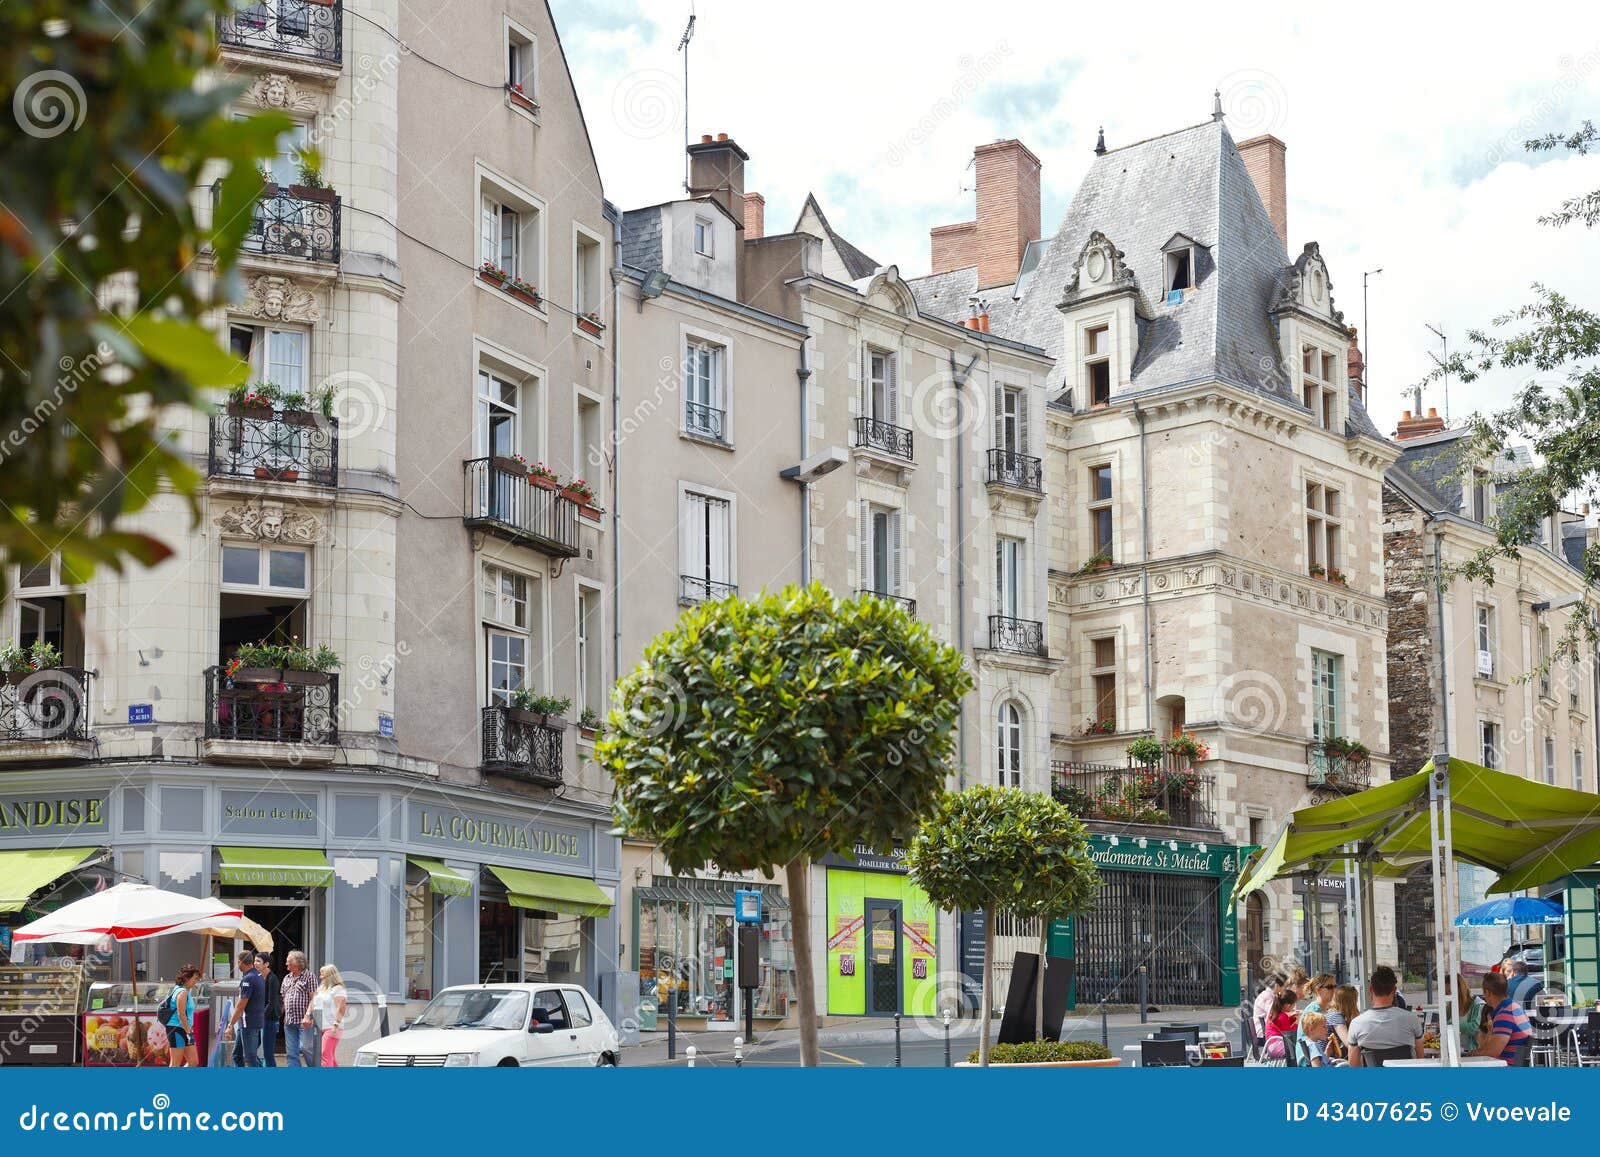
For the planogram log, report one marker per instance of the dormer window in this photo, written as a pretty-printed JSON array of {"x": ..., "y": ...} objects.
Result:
[
  {"x": 1319, "y": 372},
  {"x": 1180, "y": 273},
  {"x": 1097, "y": 364},
  {"x": 1482, "y": 496},
  {"x": 703, "y": 236}
]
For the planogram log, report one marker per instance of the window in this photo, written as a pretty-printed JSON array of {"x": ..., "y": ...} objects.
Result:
[
  {"x": 1103, "y": 672},
  {"x": 510, "y": 233},
  {"x": 420, "y": 936},
  {"x": 880, "y": 549},
  {"x": 704, "y": 235},
  {"x": 1100, "y": 510},
  {"x": 703, "y": 409},
  {"x": 881, "y": 400},
  {"x": 1010, "y": 420},
  {"x": 1486, "y": 641},
  {"x": 263, "y": 568},
  {"x": 588, "y": 275},
  {"x": 578, "y": 1009},
  {"x": 1008, "y": 577},
  {"x": 1482, "y": 496},
  {"x": 265, "y": 593},
  {"x": 1549, "y": 752},
  {"x": 1325, "y": 720},
  {"x": 283, "y": 167},
  {"x": 278, "y": 356},
  {"x": 499, "y": 421},
  {"x": 1577, "y": 769},
  {"x": 1489, "y": 744},
  {"x": 1319, "y": 384},
  {"x": 1543, "y": 658},
  {"x": 1097, "y": 364},
  {"x": 509, "y": 602},
  {"x": 591, "y": 651},
  {"x": 591, "y": 448},
  {"x": 1258, "y": 831},
  {"x": 521, "y": 61},
  {"x": 1324, "y": 511},
  {"x": 1180, "y": 272},
  {"x": 502, "y": 236},
  {"x": 706, "y": 529},
  {"x": 1008, "y": 744},
  {"x": 505, "y": 597}
]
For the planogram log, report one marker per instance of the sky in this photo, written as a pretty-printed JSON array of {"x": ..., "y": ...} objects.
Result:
[{"x": 1404, "y": 124}]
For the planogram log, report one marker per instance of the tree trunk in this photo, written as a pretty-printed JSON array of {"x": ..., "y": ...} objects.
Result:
[
  {"x": 1038, "y": 981},
  {"x": 986, "y": 1004},
  {"x": 798, "y": 872}
]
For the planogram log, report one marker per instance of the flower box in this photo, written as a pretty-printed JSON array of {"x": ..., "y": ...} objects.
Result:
[
  {"x": 316, "y": 193},
  {"x": 508, "y": 287},
  {"x": 544, "y": 481},
  {"x": 592, "y": 326},
  {"x": 305, "y": 678},
  {"x": 537, "y": 718},
  {"x": 507, "y": 465},
  {"x": 521, "y": 99},
  {"x": 257, "y": 675},
  {"x": 587, "y": 734},
  {"x": 298, "y": 417},
  {"x": 277, "y": 474},
  {"x": 16, "y": 678},
  {"x": 249, "y": 410}
]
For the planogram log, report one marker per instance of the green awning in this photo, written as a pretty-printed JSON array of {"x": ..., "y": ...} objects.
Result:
[
  {"x": 443, "y": 880},
  {"x": 1528, "y": 833},
  {"x": 278, "y": 867},
  {"x": 548, "y": 892},
  {"x": 22, "y": 873}
]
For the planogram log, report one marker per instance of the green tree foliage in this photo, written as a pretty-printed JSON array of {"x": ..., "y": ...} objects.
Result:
[
  {"x": 100, "y": 248},
  {"x": 766, "y": 732},
  {"x": 999, "y": 850}
]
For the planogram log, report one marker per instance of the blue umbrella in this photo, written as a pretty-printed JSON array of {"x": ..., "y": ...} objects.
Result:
[{"x": 1511, "y": 910}]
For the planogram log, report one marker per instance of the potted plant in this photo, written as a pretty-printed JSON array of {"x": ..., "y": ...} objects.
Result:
[
  {"x": 20, "y": 662},
  {"x": 1335, "y": 575},
  {"x": 543, "y": 477},
  {"x": 289, "y": 662},
  {"x": 588, "y": 724},
  {"x": 1188, "y": 746},
  {"x": 255, "y": 663},
  {"x": 493, "y": 274},
  {"x": 521, "y": 98},
  {"x": 540, "y": 710},
  {"x": 1318, "y": 570},
  {"x": 307, "y": 667},
  {"x": 509, "y": 283},
  {"x": 1146, "y": 749},
  {"x": 311, "y": 186},
  {"x": 581, "y": 493},
  {"x": 257, "y": 399},
  {"x": 1078, "y": 801},
  {"x": 1047, "y": 1054},
  {"x": 1100, "y": 560},
  {"x": 513, "y": 464},
  {"x": 294, "y": 409},
  {"x": 591, "y": 324},
  {"x": 1093, "y": 726}
]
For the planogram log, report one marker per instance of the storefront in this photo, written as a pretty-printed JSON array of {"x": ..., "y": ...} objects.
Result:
[
  {"x": 406, "y": 887},
  {"x": 882, "y": 937}
]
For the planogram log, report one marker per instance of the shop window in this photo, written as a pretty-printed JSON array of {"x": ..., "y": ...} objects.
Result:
[
  {"x": 552, "y": 948},
  {"x": 422, "y": 936}
]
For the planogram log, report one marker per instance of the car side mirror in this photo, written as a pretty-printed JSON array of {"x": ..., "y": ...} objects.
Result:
[{"x": 542, "y": 1027}]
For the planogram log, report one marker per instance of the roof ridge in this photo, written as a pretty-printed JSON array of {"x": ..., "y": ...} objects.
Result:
[{"x": 1160, "y": 137}]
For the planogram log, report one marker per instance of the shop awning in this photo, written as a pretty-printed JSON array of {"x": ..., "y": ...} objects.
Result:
[
  {"x": 548, "y": 892},
  {"x": 276, "y": 867},
  {"x": 1528, "y": 833},
  {"x": 710, "y": 893},
  {"x": 445, "y": 881},
  {"x": 24, "y": 872}
]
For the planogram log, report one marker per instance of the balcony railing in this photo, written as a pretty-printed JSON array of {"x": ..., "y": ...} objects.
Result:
[
  {"x": 1019, "y": 636},
  {"x": 298, "y": 28},
  {"x": 261, "y": 712},
  {"x": 694, "y": 589},
  {"x": 884, "y": 436},
  {"x": 1017, "y": 470},
  {"x": 503, "y": 500},
  {"x": 1337, "y": 769},
  {"x": 520, "y": 747},
  {"x": 293, "y": 221},
  {"x": 1169, "y": 792},
  {"x": 705, "y": 421},
  {"x": 909, "y": 606},
  {"x": 274, "y": 445},
  {"x": 47, "y": 705}
]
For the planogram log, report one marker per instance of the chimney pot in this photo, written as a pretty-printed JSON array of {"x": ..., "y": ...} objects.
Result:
[
  {"x": 722, "y": 136},
  {"x": 1433, "y": 412},
  {"x": 755, "y": 216},
  {"x": 705, "y": 138}
]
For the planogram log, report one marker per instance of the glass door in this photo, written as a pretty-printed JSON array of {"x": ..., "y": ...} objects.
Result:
[{"x": 883, "y": 957}]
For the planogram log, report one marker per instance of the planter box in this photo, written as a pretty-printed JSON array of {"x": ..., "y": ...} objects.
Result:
[
  {"x": 537, "y": 719},
  {"x": 273, "y": 474},
  {"x": 590, "y": 326},
  {"x": 311, "y": 193},
  {"x": 588, "y": 734},
  {"x": 590, "y": 511},
  {"x": 505, "y": 286},
  {"x": 258, "y": 675},
  {"x": 1107, "y": 1063},
  {"x": 240, "y": 410},
  {"x": 16, "y": 678},
  {"x": 543, "y": 482},
  {"x": 509, "y": 465},
  {"x": 305, "y": 678},
  {"x": 575, "y": 497},
  {"x": 522, "y": 99},
  {"x": 298, "y": 418}
]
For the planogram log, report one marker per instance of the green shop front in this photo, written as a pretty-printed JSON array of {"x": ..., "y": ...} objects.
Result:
[{"x": 882, "y": 937}]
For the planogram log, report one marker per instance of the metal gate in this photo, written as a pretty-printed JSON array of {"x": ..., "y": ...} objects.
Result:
[{"x": 1168, "y": 923}]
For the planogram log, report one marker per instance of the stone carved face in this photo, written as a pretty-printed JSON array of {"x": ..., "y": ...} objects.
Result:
[
  {"x": 275, "y": 90},
  {"x": 274, "y": 295},
  {"x": 271, "y": 522}
]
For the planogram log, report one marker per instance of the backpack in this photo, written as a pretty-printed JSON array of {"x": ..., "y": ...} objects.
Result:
[{"x": 168, "y": 1009}]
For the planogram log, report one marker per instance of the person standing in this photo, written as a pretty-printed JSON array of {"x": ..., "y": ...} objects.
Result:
[
  {"x": 249, "y": 1013},
  {"x": 179, "y": 1021},
  {"x": 328, "y": 1007},
  {"x": 274, "y": 1010},
  {"x": 296, "y": 991}
]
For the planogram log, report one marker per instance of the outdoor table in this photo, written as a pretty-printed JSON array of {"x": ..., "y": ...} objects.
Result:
[{"x": 1437, "y": 1063}]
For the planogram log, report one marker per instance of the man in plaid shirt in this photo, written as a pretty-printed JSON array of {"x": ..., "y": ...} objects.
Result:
[{"x": 298, "y": 1033}]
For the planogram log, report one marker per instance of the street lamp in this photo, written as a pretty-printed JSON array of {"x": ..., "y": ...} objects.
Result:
[
  {"x": 1366, "y": 332},
  {"x": 818, "y": 465}
]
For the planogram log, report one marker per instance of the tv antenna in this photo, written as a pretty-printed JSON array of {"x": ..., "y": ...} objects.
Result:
[
  {"x": 1442, "y": 361},
  {"x": 683, "y": 47}
]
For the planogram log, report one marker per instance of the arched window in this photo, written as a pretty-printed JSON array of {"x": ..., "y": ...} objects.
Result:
[{"x": 1008, "y": 745}]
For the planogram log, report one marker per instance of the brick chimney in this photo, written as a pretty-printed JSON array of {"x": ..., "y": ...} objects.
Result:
[
  {"x": 1263, "y": 160},
  {"x": 1416, "y": 427},
  {"x": 1356, "y": 366},
  {"x": 755, "y": 216},
  {"x": 1008, "y": 216},
  {"x": 716, "y": 170}
]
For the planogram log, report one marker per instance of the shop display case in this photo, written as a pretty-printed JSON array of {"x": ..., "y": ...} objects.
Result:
[
  {"x": 119, "y": 1032},
  {"x": 39, "y": 1010}
]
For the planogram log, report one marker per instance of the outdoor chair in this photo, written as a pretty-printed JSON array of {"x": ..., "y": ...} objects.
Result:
[
  {"x": 1222, "y": 1063},
  {"x": 1252, "y": 1043},
  {"x": 1377, "y": 1058},
  {"x": 1163, "y": 1052},
  {"x": 1191, "y": 1031},
  {"x": 1524, "y": 1050},
  {"x": 1586, "y": 1044},
  {"x": 1543, "y": 1046}
]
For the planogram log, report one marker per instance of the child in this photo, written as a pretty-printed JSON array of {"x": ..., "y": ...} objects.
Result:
[
  {"x": 1281, "y": 1023},
  {"x": 1313, "y": 1039}
]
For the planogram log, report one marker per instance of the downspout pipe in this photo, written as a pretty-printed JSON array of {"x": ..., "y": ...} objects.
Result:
[
  {"x": 959, "y": 377},
  {"x": 803, "y": 373},
  {"x": 1144, "y": 574},
  {"x": 1443, "y": 746},
  {"x": 616, "y": 448}
]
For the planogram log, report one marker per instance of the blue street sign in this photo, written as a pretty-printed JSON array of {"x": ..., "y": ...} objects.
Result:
[
  {"x": 386, "y": 726},
  {"x": 746, "y": 906},
  {"x": 141, "y": 713}
]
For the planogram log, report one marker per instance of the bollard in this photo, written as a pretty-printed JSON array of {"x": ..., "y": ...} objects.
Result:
[
  {"x": 1105, "y": 1031},
  {"x": 1427, "y": 975},
  {"x": 689, "y": 1052},
  {"x": 946, "y": 1018},
  {"x": 672, "y": 1025},
  {"x": 738, "y": 1052},
  {"x": 897, "y": 1040},
  {"x": 1144, "y": 995}
]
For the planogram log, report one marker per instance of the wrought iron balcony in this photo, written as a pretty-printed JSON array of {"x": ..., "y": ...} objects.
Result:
[
  {"x": 1021, "y": 471},
  {"x": 884, "y": 436},
  {"x": 515, "y": 744},
  {"x": 694, "y": 589},
  {"x": 1169, "y": 792},
  {"x": 1019, "y": 636},
  {"x": 294, "y": 221},
  {"x": 304, "y": 29},
  {"x": 504, "y": 501},
  {"x": 304, "y": 708},
  {"x": 45, "y": 706},
  {"x": 1331, "y": 764},
  {"x": 909, "y": 606},
  {"x": 705, "y": 421},
  {"x": 274, "y": 445}
]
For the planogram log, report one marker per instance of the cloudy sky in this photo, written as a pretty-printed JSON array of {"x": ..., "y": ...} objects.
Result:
[{"x": 1404, "y": 129}]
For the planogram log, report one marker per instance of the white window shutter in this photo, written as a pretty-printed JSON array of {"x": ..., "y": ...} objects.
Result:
[
  {"x": 720, "y": 515},
  {"x": 1022, "y": 423},
  {"x": 891, "y": 367},
  {"x": 999, "y": 417},
  {"x": 490, "y": 230},
  {"x": 865, "y": 394},
  {"x": 896, "y": 542},
  {"x": 864, "y": 545},
  {"x": 692, "y": 534}
]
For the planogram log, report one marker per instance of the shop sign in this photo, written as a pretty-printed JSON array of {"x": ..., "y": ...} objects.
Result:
[
  {"x": 1327, "y": 885},
  {"x": 1153, "y": 855},
  {"x": 492, "y": 835},
  {"x": 22, "y": 815},
  {"x": 269, "y": 813},
  {"x": 866, "y": 858}
]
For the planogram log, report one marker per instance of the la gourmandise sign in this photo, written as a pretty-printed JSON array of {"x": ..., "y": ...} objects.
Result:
[
  {"x": 458, "y": 829},
  {"x": 25, "y": 814}
]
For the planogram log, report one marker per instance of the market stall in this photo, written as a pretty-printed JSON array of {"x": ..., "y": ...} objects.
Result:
[{"x": 39, "y": 1008}]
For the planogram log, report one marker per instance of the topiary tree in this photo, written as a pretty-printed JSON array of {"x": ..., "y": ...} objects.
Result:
[
  {"x": 765, "y": 732},
  {"x": 997, "y": 849},
  {"x": 108, "y": 138}
]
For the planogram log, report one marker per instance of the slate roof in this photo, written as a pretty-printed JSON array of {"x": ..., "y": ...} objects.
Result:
[
  {"x": 1191, "y": 181},
  {"x": 856, "y": 262},
  {"x": 641, "y": 238}
]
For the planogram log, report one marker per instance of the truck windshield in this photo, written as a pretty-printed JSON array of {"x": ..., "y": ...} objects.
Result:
[{"x": 476, "y": 1008}]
